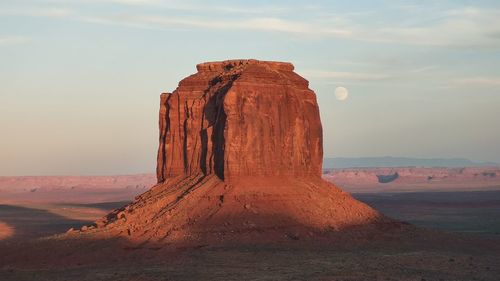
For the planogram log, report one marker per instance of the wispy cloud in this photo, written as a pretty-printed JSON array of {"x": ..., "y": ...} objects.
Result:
[
  {"x": 352, "y": 76},
  {"x": 13, "y": 40},
  {"x": 468, "y": 27},
  {"x": 270, "y": 24},
  {"x": 197, "y": 7},
  {"x": 135, "y": 2},
  {"x": 424, "y": 69},
  {"x": 478, "y": 81},
  {"x": 465, "y": 28},
  {"x": 38, "y": 12}
]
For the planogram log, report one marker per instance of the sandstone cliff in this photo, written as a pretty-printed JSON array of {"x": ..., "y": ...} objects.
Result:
[{"x": 240, "y": 118}]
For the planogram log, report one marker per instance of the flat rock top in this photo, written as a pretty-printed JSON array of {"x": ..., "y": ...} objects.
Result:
[{"x": 229, "y": 64}]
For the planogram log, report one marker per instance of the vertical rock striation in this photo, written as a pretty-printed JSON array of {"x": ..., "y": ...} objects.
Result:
[{"x": 240, "y": 118}]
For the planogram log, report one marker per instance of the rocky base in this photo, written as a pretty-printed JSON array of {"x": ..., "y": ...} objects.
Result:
[{"x": 204, "y": 209}]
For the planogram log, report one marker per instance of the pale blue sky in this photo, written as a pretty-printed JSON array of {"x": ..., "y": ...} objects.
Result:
[{"x": 80, "y": 80}]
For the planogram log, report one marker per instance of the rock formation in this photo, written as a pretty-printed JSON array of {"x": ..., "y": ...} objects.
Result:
[
  {"x": 240, "y": 118},
  {"x": 239, "y": 159}
]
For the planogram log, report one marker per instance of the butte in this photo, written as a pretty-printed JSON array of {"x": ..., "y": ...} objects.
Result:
[{"x": 240, "y": 160}]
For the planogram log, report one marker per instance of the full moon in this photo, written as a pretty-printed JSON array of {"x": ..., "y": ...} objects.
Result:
[{"x": 341, "y": 93}]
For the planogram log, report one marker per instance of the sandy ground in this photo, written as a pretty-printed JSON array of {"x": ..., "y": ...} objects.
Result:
[
  {"x": 466, "y": 212},
  {"x": 427, "y": 255},
  {"x": 372, "y": 261}
]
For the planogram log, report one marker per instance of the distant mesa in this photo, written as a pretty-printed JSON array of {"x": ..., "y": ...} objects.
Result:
[
  {"x": 387, "y": 178},
  {"x": 489, "y": 174},
  {"x": 379, "y": 162},
  {"x": 240, "y": 160},
  {"x": 397, "y": 179}
]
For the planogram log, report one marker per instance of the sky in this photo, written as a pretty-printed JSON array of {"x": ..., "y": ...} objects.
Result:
[{"x": 80, "y": 79}]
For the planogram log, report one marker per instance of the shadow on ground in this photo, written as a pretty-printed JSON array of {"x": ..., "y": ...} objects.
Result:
[
  {"x": 105, "y": 206},
  {"x": 29, "y": 223},
  {"x": 466, "y": 212}
]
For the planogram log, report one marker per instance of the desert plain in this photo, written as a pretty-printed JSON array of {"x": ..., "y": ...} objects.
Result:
[{"x": 470, "y": 217}]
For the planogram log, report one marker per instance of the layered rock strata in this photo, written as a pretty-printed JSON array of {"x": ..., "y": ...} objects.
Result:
[{"x": 240, "y": 118}]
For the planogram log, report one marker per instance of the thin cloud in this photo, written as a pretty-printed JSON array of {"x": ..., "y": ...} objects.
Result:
[
  {"x": 259, "y": 24},
  {"x": 353, "y": 76},
  {"x": 134, "y": 2},
  {"x": 478, "y": 81},
  {"x": 193, "y": 7},
  {"x": 468, "y": 27},
  {"x": 38, "y": 12},
  {"x": 424, "y": 69},
  {"x": 14, "y": 40}
]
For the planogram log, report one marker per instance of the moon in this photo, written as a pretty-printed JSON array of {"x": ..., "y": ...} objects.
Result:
[{"x": 341, "y": 93}]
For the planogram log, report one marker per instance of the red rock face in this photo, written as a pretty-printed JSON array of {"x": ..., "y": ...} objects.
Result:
[{"x": 240, "y": 118}]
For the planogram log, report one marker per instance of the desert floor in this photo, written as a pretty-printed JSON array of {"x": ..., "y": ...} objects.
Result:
[{"x": 466, "y": 247}]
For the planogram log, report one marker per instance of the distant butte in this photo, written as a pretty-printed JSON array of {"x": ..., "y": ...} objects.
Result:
[{"x": 239, "y": 160}]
